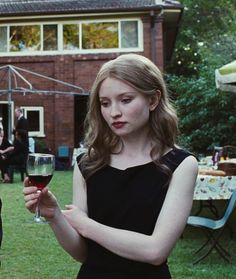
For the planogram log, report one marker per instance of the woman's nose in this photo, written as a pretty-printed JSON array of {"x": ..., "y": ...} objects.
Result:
[{"x": 115, "y": 111}]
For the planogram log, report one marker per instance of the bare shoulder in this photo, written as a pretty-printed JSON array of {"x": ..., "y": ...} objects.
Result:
[
  {"x": 185, "y": 175},
  {"x": 189, "y": 164}
]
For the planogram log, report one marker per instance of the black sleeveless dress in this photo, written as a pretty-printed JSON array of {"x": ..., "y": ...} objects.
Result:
[{"x": 129, "y": 199}]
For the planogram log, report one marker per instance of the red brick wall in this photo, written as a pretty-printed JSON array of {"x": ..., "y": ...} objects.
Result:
[{"x": 76, "y": 69}]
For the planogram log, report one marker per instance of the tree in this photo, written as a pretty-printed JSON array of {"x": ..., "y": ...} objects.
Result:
[{"x": 206, "y": 42}]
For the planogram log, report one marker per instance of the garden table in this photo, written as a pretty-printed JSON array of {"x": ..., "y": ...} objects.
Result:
[
  {"x": 214, "y": 187},
  {"x": 209, "y": 188}
]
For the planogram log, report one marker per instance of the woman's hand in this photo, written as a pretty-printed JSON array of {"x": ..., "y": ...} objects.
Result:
[
  {"x": 76, "y": 217},
  {"x": 49, "y": 207}
]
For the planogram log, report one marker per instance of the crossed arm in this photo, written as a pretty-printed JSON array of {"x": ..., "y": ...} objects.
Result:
[
  {"x": 67, "y": 236},
  {"x": 10, "y": 148},
  {"x": 70, "y": 240},
  {"x": 155, "y": 248}
]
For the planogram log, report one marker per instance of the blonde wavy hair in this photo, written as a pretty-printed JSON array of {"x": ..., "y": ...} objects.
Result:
[{"x": 144, "y": 76}]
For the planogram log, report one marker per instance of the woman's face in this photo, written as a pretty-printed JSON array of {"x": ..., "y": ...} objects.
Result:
[{"x": 125, "y": 110}]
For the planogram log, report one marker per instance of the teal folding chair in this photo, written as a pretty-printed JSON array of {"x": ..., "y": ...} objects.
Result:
[
  {"x": 214, "y": 230},
  {"x": 63, "y": 158}
]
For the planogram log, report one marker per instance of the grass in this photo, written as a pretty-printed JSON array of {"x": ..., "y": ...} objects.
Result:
[{"x": 31, "y": 251}]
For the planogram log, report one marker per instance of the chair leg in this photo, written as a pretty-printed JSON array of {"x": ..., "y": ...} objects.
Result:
[
  {"x": 204, "y": 245},
  {"x": 214, "y": 241},
  {"x": 209, "y": 251},
  {"x": 214, "y": 245}
]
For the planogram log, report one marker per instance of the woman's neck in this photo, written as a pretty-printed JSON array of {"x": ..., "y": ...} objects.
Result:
[{"x": 132, "y": 152}]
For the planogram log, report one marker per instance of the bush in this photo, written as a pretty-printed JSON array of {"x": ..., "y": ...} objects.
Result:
[{"x": 41, "y": 146}]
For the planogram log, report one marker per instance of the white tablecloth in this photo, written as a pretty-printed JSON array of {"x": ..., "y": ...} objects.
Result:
[{"x": 214, "y": 187}]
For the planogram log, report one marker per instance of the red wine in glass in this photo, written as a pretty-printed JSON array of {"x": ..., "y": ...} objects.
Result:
[
  {"x": 40, "y": 181},
  {"x": 40, "y": 168}
]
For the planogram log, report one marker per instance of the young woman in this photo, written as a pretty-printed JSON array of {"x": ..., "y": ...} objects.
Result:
[{"x": 133, "y": 188}]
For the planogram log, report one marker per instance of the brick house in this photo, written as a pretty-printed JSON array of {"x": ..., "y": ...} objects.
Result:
[{"x": 68, "y": 40}]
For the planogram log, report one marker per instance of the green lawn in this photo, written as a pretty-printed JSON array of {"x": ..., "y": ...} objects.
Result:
[{"x": 30, "y": 250}]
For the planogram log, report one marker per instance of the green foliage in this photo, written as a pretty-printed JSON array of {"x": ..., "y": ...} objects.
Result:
[
  {"x": 71, "y": 36},
  {"x": 40, "y": 145},
  {"x": 206, "y": 42},
  {"x": 25, "y": 37},
  {"x": 100, "y": 35}
]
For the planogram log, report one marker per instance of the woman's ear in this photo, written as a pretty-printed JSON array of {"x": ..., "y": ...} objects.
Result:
[{"x": 154, "y": 100}]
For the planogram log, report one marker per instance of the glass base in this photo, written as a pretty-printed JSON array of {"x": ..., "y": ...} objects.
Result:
[
  {"x": 39, "y": 220},
  {"x": 36, "y": 221}
]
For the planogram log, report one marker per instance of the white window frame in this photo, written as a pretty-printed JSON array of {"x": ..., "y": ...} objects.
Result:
[
  {"x": 60, "y": 50},
  {"x": 39, "y": 133}
]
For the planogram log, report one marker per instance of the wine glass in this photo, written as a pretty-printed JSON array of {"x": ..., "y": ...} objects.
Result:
[{"x": 40, "y": 168}]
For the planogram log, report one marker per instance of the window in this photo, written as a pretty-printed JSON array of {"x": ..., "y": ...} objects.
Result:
[
  {"x": 100, "y": 35},
  {"x": 3, "y": 38},
  {"x": 85, "y": 36},
  {"x": 35, "y": 117},
  {"x": 50, "y": 40},
  {"x": 71, "y": 36},
  {"x": 129, "y": 34},
  {"x": 25, "y": 38}
]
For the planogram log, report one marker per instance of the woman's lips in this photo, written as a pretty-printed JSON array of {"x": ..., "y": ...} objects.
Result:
[{"x": 118, "y": 125}]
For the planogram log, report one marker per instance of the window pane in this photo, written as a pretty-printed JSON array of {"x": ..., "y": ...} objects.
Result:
[
  {"x": 71, "y": 36},
  {"x": 25, "y": 38},
  {"x": 33, "y": 120},
  {"x": 100, "y": 35},
  {"x": 3, "y": 38},
  {"x": 129, "y": 34},
  {"x": 50, "y": 37}
]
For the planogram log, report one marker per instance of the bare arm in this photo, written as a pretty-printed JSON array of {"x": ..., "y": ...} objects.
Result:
[
  {"x": 155, "y": 248},
  {"x": 10, "y": 148},
  {"x": 68, "y": 237},
  {"x": 70, "y": 240}
]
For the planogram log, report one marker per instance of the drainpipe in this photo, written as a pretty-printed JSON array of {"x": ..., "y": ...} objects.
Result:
[{"x": 154, "y": 18}]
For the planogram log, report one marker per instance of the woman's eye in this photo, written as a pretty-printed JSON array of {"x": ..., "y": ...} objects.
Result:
[
  {"x": 126, "y": 100},
  {"x": 104, "y": 104}
]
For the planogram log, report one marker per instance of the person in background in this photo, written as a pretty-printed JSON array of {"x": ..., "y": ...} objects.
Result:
[
  {"x": 133, "y": 187},
  {"x": 1, "y": 227},
  {"x": 5, "y": 146},
  {"x": 31, "y": 145},
  {"x": 15, "y": 154},
  {"x": 21, "y": 123}
]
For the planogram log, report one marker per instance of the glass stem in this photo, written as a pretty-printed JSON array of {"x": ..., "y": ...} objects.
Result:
[
  {"x": 37, "y": 212},
  {"x": 37, "y": 217}
]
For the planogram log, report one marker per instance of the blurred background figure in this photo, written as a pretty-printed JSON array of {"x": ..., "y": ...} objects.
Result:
[
  {"x": 21, "y": 123},
  {"x": 31, "y": 145},
  {"x": 15, "y": 154},
  {"x": 5, "y": 146}
]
